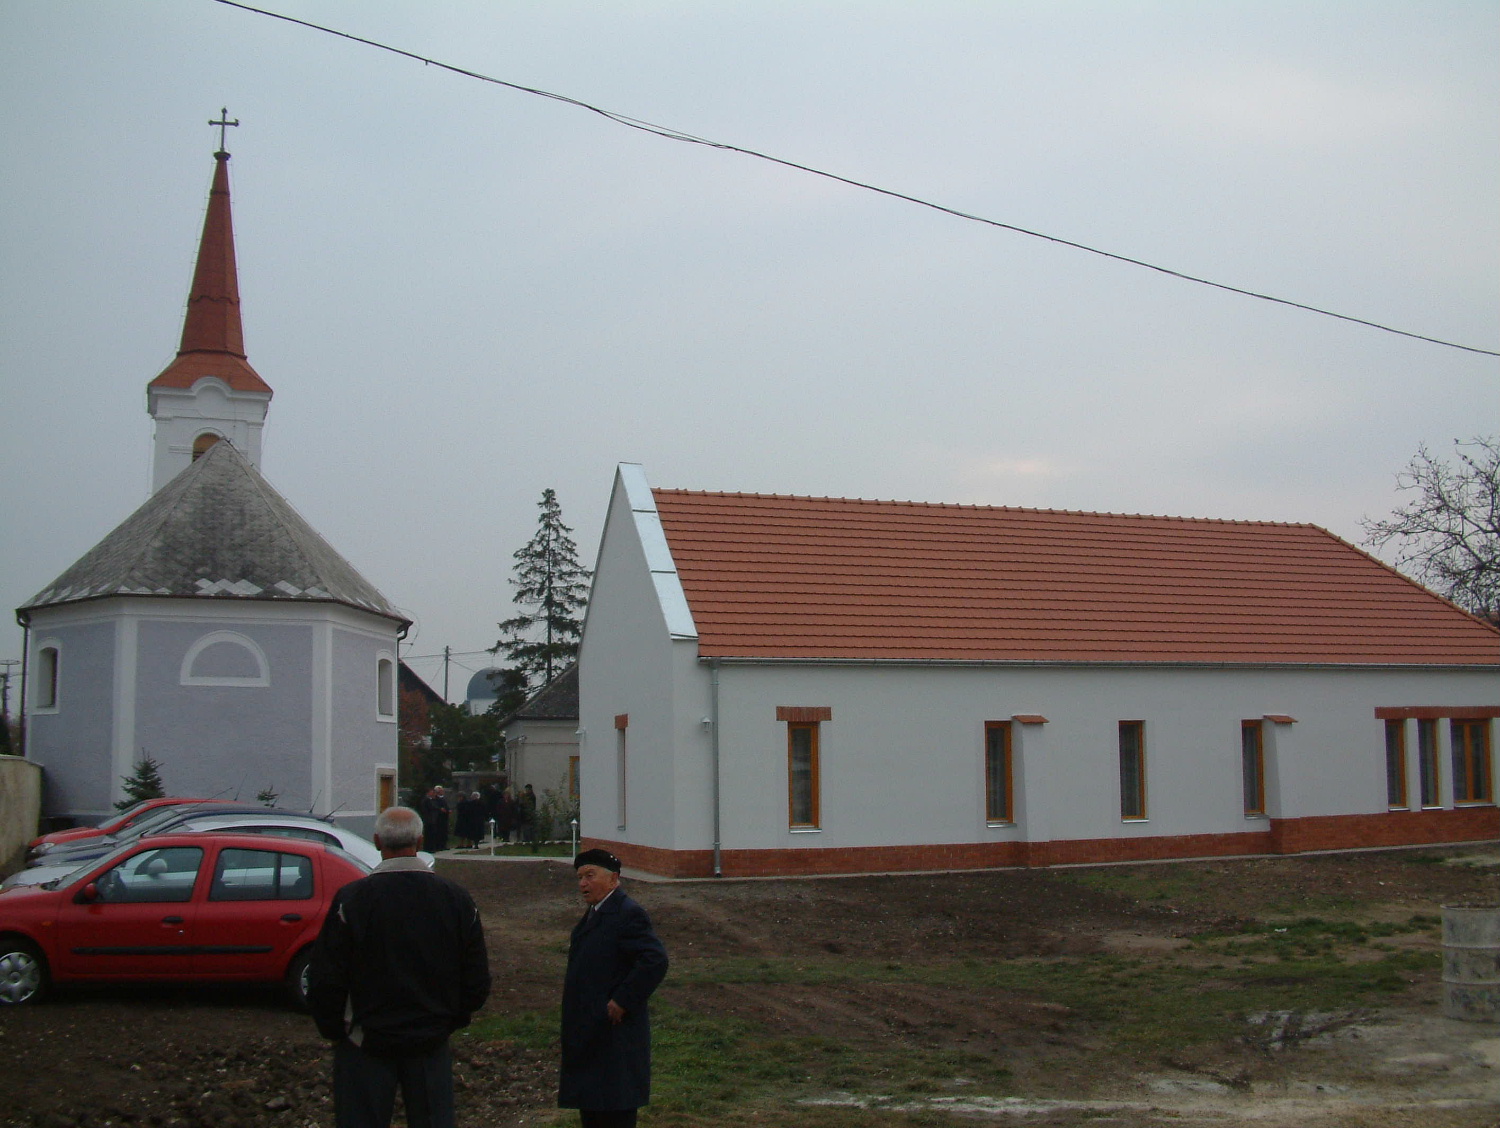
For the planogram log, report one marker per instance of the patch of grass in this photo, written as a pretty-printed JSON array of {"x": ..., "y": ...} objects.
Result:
[{"x": 1180, "y": 883}]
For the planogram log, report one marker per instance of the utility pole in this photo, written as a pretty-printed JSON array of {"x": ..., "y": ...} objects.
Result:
[
  {"x": 446, "y": 651},
  {"x": 7, "y": 663}
]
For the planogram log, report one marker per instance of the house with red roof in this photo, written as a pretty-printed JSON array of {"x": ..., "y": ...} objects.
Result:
[{"x": 793, "y": 685}]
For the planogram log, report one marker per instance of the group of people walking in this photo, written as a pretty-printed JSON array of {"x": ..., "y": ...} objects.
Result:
[
  {"x": 401, "y": 963},
  {"x": 512, "y": 813}
]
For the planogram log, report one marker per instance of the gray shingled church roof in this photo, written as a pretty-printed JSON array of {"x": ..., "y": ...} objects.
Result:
[{"x": 218, "y": 531}]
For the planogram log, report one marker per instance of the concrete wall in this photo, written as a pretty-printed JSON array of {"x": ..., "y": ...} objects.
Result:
[{"x": 20, "y": 809}]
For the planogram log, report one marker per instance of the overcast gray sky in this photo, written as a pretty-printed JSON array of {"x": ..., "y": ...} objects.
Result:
[{"x": 463, "y": 295}]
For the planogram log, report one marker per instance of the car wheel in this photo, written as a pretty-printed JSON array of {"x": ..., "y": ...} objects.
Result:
[
  {"x": 296, "y": 977},
  {"x": 23, "y": 972}
]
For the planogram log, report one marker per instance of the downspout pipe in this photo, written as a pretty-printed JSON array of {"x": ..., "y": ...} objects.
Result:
[{"x": 713, "y": 731}]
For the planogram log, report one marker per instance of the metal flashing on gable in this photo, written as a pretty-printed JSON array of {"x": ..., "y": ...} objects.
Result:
[{"x": 653, "y": 540}]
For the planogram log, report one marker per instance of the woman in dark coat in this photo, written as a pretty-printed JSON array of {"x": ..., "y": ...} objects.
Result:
[
  {"x": 615, "y": 961},
  {"x": 469, "y": 826}
]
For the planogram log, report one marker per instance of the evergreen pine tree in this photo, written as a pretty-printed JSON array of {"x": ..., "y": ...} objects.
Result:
[
  {"x": 143, "y": 783},
  {"x": 552, "y": 589}
]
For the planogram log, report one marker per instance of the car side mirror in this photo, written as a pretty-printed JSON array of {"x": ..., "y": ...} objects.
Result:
[{"x": 88, "y": 894}]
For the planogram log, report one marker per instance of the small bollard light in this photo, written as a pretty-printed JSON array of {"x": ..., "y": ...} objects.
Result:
[
  {"x": 492, "y": 838},
  {"x": 575, "y": 838}
]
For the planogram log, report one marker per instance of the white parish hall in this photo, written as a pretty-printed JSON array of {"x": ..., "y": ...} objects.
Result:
[{"x": 792, "y": 685}]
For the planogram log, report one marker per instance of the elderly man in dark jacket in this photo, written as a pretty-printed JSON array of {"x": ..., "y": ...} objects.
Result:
[
  {"x": 615, "y": 961},
  {"x": 399, "y": 965}
]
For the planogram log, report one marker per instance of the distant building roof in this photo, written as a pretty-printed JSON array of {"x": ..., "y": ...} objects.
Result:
[
  {"x": 216, "y": 531},
  {"x": 410, "y": 681},
  {"x": 555, "y": 701},
  {"x": 482, "y": 686},
  {"x": 801, "y": 577}
]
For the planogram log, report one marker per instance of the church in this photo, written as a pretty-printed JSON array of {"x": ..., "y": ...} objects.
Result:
[{"x": 214, "y": 631}]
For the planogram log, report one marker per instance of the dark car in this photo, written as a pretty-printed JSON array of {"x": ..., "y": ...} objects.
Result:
[{"x": 174, "y": 908}]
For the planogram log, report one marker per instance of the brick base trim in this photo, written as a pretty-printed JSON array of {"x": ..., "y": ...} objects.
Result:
[{"x": 1282, "y": 836}]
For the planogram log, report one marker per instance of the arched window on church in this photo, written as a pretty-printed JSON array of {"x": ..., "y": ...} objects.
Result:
[
  {"x": 385, "y": 688},
  {"x": 203, "y": 442},
  {"x": 225, "y": 658},
  {"x": 44, "y": 695}
]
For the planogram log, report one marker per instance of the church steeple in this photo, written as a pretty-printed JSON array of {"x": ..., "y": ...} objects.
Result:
[{"x": 209, "y": 392}]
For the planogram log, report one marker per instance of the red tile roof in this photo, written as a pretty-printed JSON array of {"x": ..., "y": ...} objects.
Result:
[{"x": 769, "y": 576}]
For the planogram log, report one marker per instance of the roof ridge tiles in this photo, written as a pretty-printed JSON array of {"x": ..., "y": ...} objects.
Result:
[{"x": 980, "y": 506}]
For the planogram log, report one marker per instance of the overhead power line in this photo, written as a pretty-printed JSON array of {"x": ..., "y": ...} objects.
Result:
[{"x": 687, "y": 138}]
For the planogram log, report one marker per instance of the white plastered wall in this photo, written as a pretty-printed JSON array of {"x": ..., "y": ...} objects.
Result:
[
  {"x": 627, "y": 660},
  {"x": 902, "y": 756}
]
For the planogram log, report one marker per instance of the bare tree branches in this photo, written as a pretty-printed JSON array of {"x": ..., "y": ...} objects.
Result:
[{"x": 1448, "y": 536}]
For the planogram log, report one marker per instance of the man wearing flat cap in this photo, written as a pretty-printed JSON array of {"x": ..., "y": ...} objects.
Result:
[{"x": 615, "y": 961}]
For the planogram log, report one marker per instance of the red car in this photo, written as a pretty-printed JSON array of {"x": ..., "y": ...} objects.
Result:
[
  {"x": 125, "y": 818},
  {"x": 174, "y": 908}
]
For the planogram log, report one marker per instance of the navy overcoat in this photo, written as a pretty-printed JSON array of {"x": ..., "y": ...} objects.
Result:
[{"x": 613, "y": 954}]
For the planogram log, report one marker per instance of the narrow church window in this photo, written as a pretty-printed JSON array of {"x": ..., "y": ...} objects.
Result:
[
  {"x": 203, "y": 442},
  {"x": 1395, "y": 764},
  {"x": 45, "y": 694},
  {"x": 997, "y": 772},
  {"x": 385, "y": 689},
  {"x": 622, "y": 724},
  {"x": 1253, "y": 766},
  {"x": 1427, "y": 761},
  {"x": 802, "y": 773},
  {"x": 1471, "y": 761},
  {"x": 1132, "y": 769}
]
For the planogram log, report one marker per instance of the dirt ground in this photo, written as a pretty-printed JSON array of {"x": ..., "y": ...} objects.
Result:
[{"x": 239, "y": 1057}]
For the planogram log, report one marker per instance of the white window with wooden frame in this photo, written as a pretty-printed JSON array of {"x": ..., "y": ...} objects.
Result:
[
  {"x": 1395, "y": 765},
  {"x": 1470, "y": 742},
  {"x": 1133, "y": 771},
  {"x": 622, "y": 726},
  {"x": 999, "y": 796},
  {"x": 804, "y": 768},
  {"x": 46, "y": 679},
  {"x": 1253, "y": 767}
]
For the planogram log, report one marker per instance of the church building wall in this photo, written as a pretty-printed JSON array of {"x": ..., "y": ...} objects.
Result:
[
  {"x": 364, "y": 736},
  {"x": 71, "y": 740},
  {"x": 209, "y": 737}
]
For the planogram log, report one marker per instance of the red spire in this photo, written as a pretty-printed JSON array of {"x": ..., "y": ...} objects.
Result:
[{"x": 213, "y": 343}]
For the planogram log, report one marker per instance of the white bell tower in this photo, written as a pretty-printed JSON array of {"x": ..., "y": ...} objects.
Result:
[{"x": 209, "y": 392}]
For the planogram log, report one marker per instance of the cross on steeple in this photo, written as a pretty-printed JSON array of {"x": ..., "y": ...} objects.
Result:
[{"x": 223, "y": 123}]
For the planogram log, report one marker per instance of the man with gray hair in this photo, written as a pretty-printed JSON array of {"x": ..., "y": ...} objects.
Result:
[{"x": 399, "y": 965}]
